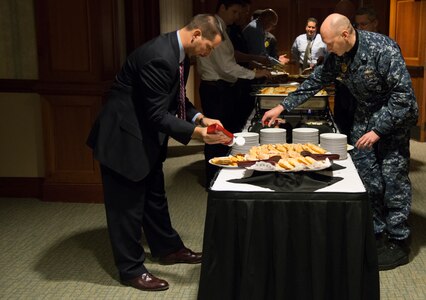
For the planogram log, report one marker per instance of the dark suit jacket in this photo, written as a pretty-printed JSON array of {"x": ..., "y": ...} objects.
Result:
[{"x": 131, "y": 132}]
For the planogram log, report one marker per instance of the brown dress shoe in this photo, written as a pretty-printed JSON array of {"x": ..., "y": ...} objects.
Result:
[
  {"x": 184, "y": 256},
  {"x": 147, "y": 282}
]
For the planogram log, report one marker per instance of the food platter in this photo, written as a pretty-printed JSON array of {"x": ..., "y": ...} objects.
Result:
[
  {"x": 279, "y": 158},
  {"x": 211, "y": 161}
]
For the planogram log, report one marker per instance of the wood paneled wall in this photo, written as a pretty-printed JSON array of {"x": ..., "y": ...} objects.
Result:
[
  {"x": 81, "y": 45},
  {"x": 294, "y": 13},
  {"x": 408, "y": 28},
  {"x": 142, "y": 22},
  {"x": 78, "y": 56}
]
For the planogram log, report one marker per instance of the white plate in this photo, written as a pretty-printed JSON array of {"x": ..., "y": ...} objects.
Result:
[
  {"x": 348, "y": 147},
  {"x": 222, "y": 166}
]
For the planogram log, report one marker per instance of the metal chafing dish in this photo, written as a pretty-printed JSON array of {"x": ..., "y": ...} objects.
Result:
[
  {"x": 268, "y": 101},
  {"x": 314, "y": 112}
]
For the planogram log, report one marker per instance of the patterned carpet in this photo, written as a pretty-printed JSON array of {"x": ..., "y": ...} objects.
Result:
[{"x": 62, "y": 251}]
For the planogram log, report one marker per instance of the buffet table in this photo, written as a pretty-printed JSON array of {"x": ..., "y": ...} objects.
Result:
[{"x": 289, "y": 236}]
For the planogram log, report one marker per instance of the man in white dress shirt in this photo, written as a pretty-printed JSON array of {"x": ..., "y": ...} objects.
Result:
[
  {"x": 219, "y": 73},
  {"x": 308, "y": 49}
]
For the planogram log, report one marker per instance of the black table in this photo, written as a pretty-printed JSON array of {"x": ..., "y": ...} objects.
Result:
[{"x": 261, "y": 243}]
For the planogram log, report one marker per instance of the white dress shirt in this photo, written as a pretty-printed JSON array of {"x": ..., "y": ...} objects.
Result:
[
  {"x": 319, "y": 48},
  {"x": 221, "y": 64}
]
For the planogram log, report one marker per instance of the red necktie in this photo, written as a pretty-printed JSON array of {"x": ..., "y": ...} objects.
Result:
[{"x": 181, "y": 107}]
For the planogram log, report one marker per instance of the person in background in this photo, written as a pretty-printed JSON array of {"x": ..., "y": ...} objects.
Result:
[
  {"x": 372, "y": 67},
  {"x": 346, "y": 8},
  {"x": 344, "y": 101},
  {"x": 235, "y": 33},
  {"x": 218, "y": 90},
  {"x": 129, "y": 138},
  {"x": 270, "y": 39},
  {"x": 366, "y": 19},
  {"x": 271, "y": 45},
  {"x": 244, "y": 100},
  {"x": 255, "y": 34},
  {"x": 308, "y": 49}
]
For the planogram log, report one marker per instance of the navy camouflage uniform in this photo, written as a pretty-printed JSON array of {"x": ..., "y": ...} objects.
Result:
[{"x": 376, "y": 75}]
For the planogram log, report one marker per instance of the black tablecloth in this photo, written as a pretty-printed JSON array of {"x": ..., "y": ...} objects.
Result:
[
  {"x": 288, "y": 246},
  {"x": 289, "y": 182}
]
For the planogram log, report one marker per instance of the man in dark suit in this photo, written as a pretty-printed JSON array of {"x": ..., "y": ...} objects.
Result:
[{"x": 146, "y": 105}]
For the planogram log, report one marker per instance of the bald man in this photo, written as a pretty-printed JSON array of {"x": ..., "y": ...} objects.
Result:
[{"x": 373, "y": 69}]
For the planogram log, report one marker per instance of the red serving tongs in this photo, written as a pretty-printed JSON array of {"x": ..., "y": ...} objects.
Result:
[{"x": 216, "y": 128}]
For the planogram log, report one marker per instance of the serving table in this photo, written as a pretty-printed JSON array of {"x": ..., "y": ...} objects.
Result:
[{"x": 289, "y": 236}]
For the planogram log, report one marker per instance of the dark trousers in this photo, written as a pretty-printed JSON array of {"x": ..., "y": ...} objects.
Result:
[
  {"x": 344, "y": 109},
  {"x": 218, "y": 101},
  {"x": 131, "y": 206},
  {"x": 245, "y": 102}
]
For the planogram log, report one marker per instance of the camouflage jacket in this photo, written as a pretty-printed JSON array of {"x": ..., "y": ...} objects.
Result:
[{"x": 376, "y": 76}]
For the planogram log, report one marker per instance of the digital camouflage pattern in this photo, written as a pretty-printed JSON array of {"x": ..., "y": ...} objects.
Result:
[{"x": 379, "y": 80}]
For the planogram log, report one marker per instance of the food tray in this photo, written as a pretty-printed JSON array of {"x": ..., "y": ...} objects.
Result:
[{"x": 314, "y": 103}]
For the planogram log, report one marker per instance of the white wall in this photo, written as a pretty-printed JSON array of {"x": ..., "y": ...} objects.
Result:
[
  {"x": 174, "y": 14},
  {"x": 21, "y": 139}
]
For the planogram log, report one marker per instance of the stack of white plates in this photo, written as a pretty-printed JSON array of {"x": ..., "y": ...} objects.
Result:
[
  {"x": 335, "y": 143},
  {"x": 272, "y": 136},
  {"x": 252, "y": 139},
  {"x": 305, "y": 135}
]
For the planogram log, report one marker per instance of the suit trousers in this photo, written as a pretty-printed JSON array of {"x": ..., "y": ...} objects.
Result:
[{"x": 130, "y": 207}]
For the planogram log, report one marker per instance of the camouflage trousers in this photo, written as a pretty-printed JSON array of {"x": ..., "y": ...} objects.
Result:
[{"x": 384, "y": 172}]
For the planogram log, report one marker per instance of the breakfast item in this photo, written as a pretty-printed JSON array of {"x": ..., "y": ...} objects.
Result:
[
  {"x": 293, "y": 161},
  {"x": 285, "y": 90},
  {"x": 225, "y": 161},
  {"x": 298, "y": 148},
  {"x": 231, "y": 160},
  {"x": 310, "y": 160},
  {"x": 313, "y": 148},
  {"x": 283, "y": 163},
  {"x": 278, "y": 90},
  {"x": 267, "y": 90},
  {"x": 322, "y": 93},
  {"x": 305, "y": 161}
]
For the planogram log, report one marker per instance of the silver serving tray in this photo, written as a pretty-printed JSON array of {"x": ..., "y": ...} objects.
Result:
[{"x": 267, "y": 102}]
